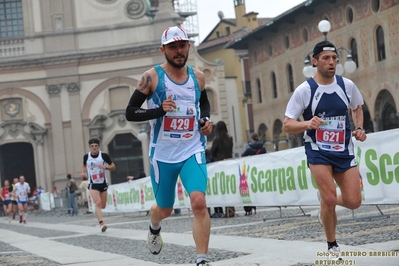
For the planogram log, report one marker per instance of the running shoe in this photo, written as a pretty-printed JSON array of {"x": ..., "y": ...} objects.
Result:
[
  {"x": 334, "y": 253},
  {"x": 103, "y": 227},
  {"x": 203, "y": 263},
  {"x": 154, "y": 243},
  {"x": 9, "y": 220},
  {"x": 319, "y": 213}
]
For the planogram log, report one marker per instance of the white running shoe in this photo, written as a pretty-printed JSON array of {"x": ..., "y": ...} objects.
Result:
[
  {"x": 319, "y": 213},
  {"x": 9, "y": 220},
  {"x": 103, "y": 227},
  {"x": 334, "y": 253},
  {"x": 154, "y": 243}
]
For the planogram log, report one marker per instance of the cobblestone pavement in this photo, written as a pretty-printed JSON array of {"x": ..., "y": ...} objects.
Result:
[{"x": 353, "y": 232}]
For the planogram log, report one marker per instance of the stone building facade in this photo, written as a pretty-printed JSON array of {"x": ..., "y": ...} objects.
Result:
[
  {"x": 67, "y": 71},
  {"x": 369, "y": 29}
]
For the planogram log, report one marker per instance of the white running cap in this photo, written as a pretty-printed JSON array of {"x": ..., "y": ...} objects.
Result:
[{"x": 174, "y": 34}]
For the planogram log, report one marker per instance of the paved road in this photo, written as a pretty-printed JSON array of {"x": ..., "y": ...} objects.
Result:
[{"x": 242, "y": 240}]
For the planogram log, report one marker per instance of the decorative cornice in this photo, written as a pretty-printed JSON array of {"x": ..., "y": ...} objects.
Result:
[
  {"x": 119, "y": 117},
  {"x": 54, "y": 90},
  {"x": 37, "y": 132},
  {"x": 39, "y": 60},
  {"x": 73, "y": 87},
  {"x": 97, "y": 125},
  {"x": 13, "y": 128}
]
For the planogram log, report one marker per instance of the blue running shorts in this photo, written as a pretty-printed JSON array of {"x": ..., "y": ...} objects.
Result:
[
  {"x": 193, "y": 175},
  {"x": 23, "y": 202},
  {"x": 338, "y": 163},
  {"x": 7, "y": 202}
]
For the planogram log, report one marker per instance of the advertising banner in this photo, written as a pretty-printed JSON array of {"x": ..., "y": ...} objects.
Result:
[{"x": 274, "y": 179}]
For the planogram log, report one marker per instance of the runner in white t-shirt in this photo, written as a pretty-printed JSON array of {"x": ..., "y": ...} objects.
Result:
[{"x": 21, "y": 191}]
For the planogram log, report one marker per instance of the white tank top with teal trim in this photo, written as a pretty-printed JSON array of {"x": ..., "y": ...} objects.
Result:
[{"x": 176, "y": 136}]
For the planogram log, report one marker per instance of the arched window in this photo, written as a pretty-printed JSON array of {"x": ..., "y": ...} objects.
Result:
[
  {"x": 305, "y": 35},
  {"x": 354, "y": 52},
  {"x": 290, "y": 78},
  {"x": 274, "y": 84},
  {"x": 258, "y": 86},
  {"x": 375, "y": 5},
  {"x": 380, "y": 43},
  {"x": 349, "y": 15}
]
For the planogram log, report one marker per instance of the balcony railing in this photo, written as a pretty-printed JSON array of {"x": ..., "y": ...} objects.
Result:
[{"x": 12, "y": 47}]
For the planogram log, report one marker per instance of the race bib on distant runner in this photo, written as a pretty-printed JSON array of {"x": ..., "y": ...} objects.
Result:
[
  {"x": 331, "y": 135},
  {"x": 97, "y": 177},
  {"x": 179, "y": 124}
]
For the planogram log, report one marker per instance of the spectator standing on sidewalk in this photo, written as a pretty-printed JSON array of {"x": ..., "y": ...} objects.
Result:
[
  {"x": 222, "y": 149},
  {"x": 71, "y": 188},
  {"x": 255, "y": 147}
]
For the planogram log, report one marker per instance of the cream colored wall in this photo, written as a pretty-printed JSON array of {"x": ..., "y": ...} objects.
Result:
[{"x": 227, "y": 55}]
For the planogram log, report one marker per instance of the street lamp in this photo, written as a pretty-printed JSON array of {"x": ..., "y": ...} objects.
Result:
[{"x": 308, "y": 71}]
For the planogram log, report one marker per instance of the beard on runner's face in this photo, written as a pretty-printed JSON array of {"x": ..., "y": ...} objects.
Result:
[{"x": 174, "y": 64}]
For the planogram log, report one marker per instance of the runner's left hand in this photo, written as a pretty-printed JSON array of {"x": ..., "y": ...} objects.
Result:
[
  {"x": 207, "y": 128},
  {"x": 359, "y": 135}
]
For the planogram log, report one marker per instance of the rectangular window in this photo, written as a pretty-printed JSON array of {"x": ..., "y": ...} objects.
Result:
[{"x": 11, "y": 18}]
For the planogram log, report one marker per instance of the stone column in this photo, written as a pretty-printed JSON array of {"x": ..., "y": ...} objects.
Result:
[
  {"x": 76, "y": 125},
  {"x": 57, "y": 131},
  {"x": 146, "y": 158},
  {"x": 38, "y": 135},
  {"x": 40, "y": 158}
]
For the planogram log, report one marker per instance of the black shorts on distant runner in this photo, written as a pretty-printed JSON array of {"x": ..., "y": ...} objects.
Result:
[{"x": 99, "y": 187}]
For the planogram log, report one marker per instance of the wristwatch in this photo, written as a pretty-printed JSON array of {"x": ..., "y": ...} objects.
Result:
[
  {"x": 205, "y": 118},
  {"x": 360, "y": 128}
]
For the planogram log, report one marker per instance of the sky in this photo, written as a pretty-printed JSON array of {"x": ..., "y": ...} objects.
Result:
[{"x": 208, "y": 9}]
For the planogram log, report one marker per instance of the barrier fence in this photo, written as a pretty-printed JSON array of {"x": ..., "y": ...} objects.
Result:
[
  {"x": 55, "y": 204},
  {"x": 274, "y": 179}
]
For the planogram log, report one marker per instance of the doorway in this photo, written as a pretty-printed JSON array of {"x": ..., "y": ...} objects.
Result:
[
  {"x": 126, "y": 152},
  {"x": 17, "y": 159}
]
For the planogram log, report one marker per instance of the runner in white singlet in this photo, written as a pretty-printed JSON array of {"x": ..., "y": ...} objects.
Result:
[{"x": 21, "y": 192}]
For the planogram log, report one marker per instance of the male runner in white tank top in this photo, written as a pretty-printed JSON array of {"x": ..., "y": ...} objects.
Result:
[
  {"x": 95, "y": 164},
  {"x": 178, "y": 110}
]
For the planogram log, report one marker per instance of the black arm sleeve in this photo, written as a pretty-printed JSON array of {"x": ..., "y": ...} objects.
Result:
[
  {"x": 134, "y": 112},
  {"x": 106, "y": 158},
  {"x": 205, "y": 106}
]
